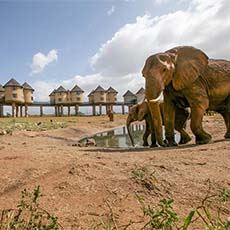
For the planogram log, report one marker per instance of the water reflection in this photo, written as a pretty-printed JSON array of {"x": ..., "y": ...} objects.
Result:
[{"x": 118, "y": 137}]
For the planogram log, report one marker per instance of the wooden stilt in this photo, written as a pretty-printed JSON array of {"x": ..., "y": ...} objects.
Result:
[
  {"x": 26, "y": 110},
  {"x": 1, "y": 110},
  {"x": 56, "y": 110},
  {"x": 76, "y": 110},
  {"x": 100, "y": 109},
  {"x": 123, "y": 109},
  {"x": 21, "y": 112},
  {"x": 41, "y": 111},
  {"x": 16, "y": 110},
  {"x": 62, "y": 110},
  {"x": 94, "y": 110},
  {"x": 13, "y": 110}
]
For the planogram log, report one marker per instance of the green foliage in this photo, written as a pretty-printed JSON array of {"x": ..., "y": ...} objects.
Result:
[
  {"x": 143, "y": 176},
  {"x": 225, "y": 195},
  {"x": 101, "y": 226},
  {"x": 9, "y": 127},
  {"x": 211, "y": 219},
  {"x": 160, "y": 217},
  {"x": 188, "y": 219},
  {"x": 28, "y": 215}
]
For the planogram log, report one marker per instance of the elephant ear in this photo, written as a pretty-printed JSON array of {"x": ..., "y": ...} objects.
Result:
[{"x": 190, "y": 63}]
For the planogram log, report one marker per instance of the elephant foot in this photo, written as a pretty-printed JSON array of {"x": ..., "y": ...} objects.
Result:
[
  {"x": 153, "y": 145},
  {"x": 203, "y": 139},
  {"x": 145, "y": 144},
  {"x": 170, "y": 143},
  {"x": 185, "y": 139},
  {"x": 227, "y": 135},
  {"x": 163, "y": 144}
]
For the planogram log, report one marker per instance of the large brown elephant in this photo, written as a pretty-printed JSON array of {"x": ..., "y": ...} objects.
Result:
[
  {"x": 187, "y": 78},
  {"x": 140, "y": 112}
]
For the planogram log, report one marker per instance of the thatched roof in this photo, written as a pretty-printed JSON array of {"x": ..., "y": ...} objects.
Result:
[
  {"x": 140, "y": 91},
  {"x": 27, "y": 86},
  {"x": 91, "y": 93},
  {"x": 129, "y": 93},
  {"x": 1, "y": 88},
  {"x": 53, "y": 92},
  {"x": 99, "y": 89},
  {"x": 76, "y": 88},
  {"x": 111, "y": 90},
  {"x": 12, "y": 82},
  {"x": 61, "y": 89}
]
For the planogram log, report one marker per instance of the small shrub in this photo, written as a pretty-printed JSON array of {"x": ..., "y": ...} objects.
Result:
[
  {"x": 143, "y": 176},
  {"x": 28, "y": 215},
  {"x": 160, "y": 217},
  {"x": 225, "y": 195}
]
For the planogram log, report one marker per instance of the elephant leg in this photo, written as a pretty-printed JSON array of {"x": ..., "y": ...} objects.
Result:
[
  {"x": 181, "y": 118},
  {"x": 169, "y": 119},
  {"x": 197, "y": 114},
  {"x": 146, "y": 134},
  {"x": 153, "y": 140},
  {"x": 226, "y": 116},
  {"x": 149, "y": 130},
  {"x": 156, "y": 121}
]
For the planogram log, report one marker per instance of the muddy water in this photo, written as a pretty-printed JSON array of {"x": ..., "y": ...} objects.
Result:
[{"x": 119, "y": 138}]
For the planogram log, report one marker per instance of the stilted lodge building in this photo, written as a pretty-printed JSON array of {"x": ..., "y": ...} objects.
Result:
[
  {"x": 98, "y": 95},
  {"x": 14, "y": 92},
  {"x": 28, "y": 93},
  {"x": 2, "y": 94},
  {"x": 111, "y": 95},
  {"x": 140, "y": 95},
  {"x": 77, "y": 94},
  {"x": 52, "y": 97},
  {"x": 60, "y": 95},
  {"x": 129, "y": 97}
]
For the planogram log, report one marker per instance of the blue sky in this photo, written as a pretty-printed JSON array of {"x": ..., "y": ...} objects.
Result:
[{"x": 91, "y": 42}]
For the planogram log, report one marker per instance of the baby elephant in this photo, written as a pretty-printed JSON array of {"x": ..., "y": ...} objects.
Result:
[{"x": 141, "y": 112}]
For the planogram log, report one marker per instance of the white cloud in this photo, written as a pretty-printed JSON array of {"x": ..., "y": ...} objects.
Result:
[
  {"x": 43, "y": 89},
  {"x": 40, "y": 61},
  {"x": 118, "y": 62},
  {"x": 204, "y": 24},
  {"x": 161, "y": 1},
  {"x": 111, "y": 10}
]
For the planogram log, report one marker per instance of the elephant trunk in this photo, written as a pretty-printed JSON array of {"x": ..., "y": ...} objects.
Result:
[
  {"x": 128, "y": 123},
  {"x": 154, "y": 90}
]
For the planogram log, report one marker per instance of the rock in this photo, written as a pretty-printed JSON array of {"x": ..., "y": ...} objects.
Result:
[
  {"x": 90, "y": 142},
  {"x": 78, "y": 144},
  {"x": 3, "y": 132},
  {"x": 9, "y": 131}
]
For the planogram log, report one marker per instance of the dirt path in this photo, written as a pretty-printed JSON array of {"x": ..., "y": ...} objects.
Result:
[{"x": 81, "y": 185}]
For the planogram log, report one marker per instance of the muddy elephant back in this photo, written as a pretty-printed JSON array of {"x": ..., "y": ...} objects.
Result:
[{"x": 220, "y": 65}]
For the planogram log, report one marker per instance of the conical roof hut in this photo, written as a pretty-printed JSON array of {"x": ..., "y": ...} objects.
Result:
[
  {"x": 14, "y": 92},
  {"x": 28, "y": 93}
]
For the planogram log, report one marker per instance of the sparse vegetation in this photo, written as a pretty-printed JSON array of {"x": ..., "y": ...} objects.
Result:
[
  {"x": 9, "y": 127},
  {"x": 28, "y": 215},
  {"x": 213, "y": 213},
  {"x": 161, "y": 217},
  {"x": 144, "y": 176}
]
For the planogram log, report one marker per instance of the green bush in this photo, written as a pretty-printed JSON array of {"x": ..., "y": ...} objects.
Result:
[{"x": 28, "y": 215}]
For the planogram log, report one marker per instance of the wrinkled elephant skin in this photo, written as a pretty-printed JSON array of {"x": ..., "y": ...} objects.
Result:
[{"x": 188, "y": 78}]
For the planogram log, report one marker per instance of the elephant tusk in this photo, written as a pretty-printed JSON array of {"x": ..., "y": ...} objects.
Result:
[{"x": 159, "y": 98}]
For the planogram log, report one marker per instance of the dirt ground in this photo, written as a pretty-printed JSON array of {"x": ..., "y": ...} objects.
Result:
[{"x": 84, "y": 185}]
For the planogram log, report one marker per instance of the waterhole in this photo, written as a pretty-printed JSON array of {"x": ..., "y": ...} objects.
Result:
[{"x": 118, "y": 137}]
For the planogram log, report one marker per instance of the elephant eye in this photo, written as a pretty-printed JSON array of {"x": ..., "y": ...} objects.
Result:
[{"x": 164, "y": 69}]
